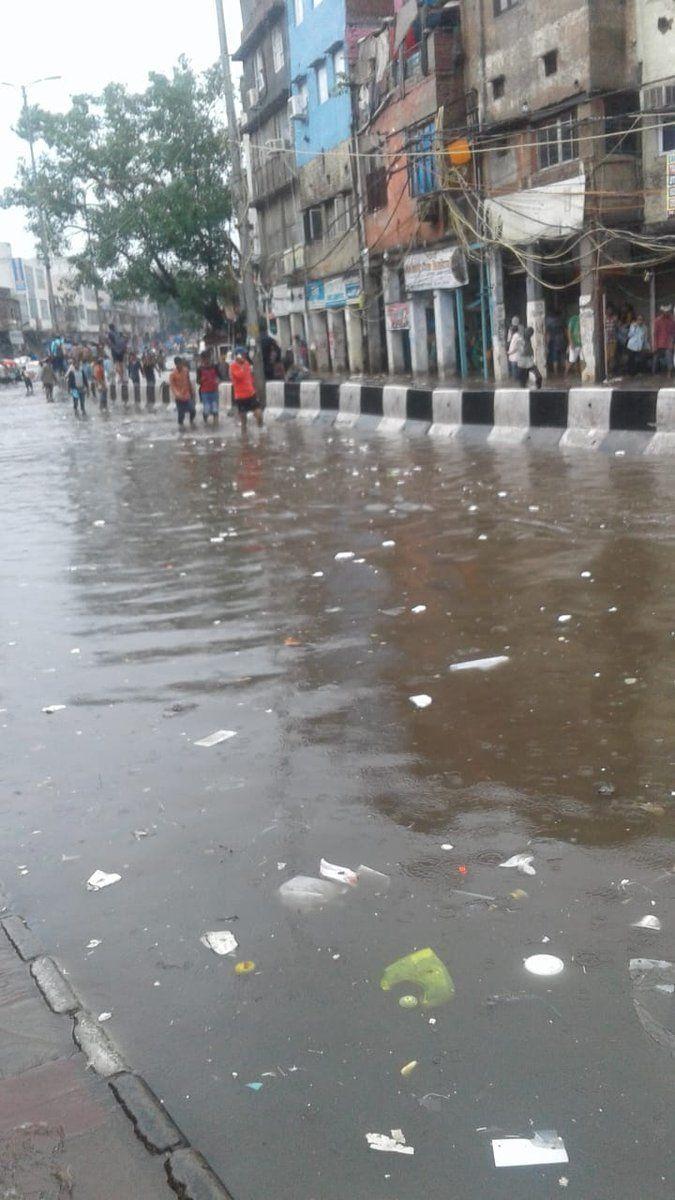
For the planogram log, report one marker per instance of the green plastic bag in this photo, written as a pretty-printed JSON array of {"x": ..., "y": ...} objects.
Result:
[{"x": 425, "y": 969}]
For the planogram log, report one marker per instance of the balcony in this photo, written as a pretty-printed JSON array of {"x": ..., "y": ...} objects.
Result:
[
  {"x": 272, "y": 172},
  {"x": 256, "y": 19}
]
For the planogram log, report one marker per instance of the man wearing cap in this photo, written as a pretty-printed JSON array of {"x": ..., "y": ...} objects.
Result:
[{"x": 664, "y": 340}]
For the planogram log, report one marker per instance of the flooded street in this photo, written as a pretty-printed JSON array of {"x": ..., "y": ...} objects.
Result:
[{"x": 162, "y": 588}]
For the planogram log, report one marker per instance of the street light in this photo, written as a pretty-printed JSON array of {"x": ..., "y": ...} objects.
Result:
[{"x": 44, "y": 246}]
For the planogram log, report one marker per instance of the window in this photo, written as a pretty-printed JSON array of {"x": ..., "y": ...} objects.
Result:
[
  {"x": 501, "y": 6},
  {"x": 313, "y": 220},
  {"x": 556, "y": 142},
  {"x": 667, "y": 134},
  {"x": 298, "y": 10},
  {"x": 341, "y": 220},
  {"x": 376, "y": 188},
  {"x": 422, "y": 160},
  {"x": 322, "y": 82},
  {"x": 339, "y": 65},
  {"x": 277, "y": 49},
  {"x": 259, "y": 70},
  {"x": 550, "y": 61},
  {"x": 622, "y": 130},
  {"x": 498, "y": 86}
]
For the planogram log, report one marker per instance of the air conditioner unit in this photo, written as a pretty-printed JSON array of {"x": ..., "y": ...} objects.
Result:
[
  {"x": 297, "y": 107},
  {"x": 253, "y": 97},
  {"x": 289, "y": 261}
]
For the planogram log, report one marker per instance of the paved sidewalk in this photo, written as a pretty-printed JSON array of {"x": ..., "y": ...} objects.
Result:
[{"x": 62, "y": 1133}]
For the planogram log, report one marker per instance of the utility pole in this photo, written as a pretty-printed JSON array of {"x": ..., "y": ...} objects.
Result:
[
  {"x": 44, "y": 245},
  {"x": 240, "y": 190}
]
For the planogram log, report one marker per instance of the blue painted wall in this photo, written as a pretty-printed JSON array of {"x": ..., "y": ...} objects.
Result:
[{"x": 320, "y": 30}]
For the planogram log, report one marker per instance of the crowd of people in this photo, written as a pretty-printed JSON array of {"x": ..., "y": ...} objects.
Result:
[
  {"x": 88, "y": 370},
  {"x": 629, "y": 346}
]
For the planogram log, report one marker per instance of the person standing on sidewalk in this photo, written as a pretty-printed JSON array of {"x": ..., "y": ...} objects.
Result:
[
  {"x": 243, "y": 388},
  {"x": 76, "y": 384},
  {"x": 208, "y": 381},
  {"x": 99, "y": 383},
  {"x": 573, "y": 342},
  {"x": 182, "y": 392},
  {"x": 525, "y": 359},
  {"x": 664, "y": 340},
  {"x": 512, "y": 343}
]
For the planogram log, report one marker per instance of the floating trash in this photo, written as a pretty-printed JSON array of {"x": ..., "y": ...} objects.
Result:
[
  {"x": 480, "y": 664},
  {"x": 424, "y": 968},
  {"x": 344, "y": 555},
  {"x": 220, "y": 735},
  {"x": 53, "y": 708},
  {"x": 653, "y": 981},
  {"x": 221, "y": 941},
  {"x": 564, "y": 618},
  {"x": 522, "y": 863},
  {"x": 648, "y": 922},
  {"x": 244, "y": 968},
  {"x": 543, "y": 964},
  {"x": 419, "y": 608},
  {"x": 545, "y": 1147},
  {"x": 421, "y": 701},
  {"x": 338, "y": 874},
  {"x": 408, "y": 1002},
  {"x": 307, "y": 892},
  {"x": 408, "y": 1068},
  {"x": 100, "y": 880},
  {"x": 396, "y": 1144}
]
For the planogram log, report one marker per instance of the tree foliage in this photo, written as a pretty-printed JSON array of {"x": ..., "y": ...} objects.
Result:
[{"x": 135, "y": 189}]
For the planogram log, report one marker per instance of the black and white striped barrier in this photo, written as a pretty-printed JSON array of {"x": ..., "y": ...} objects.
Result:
[
  {"x": 158, "y": 393},
  {"x": 596, "y": 417}
]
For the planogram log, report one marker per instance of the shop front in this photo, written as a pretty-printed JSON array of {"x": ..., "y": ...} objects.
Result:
[{"x": 334, "y": 309}]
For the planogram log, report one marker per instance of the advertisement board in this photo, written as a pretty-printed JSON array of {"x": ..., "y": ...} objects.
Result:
[
  {"x": 428, "y": 269},
  {"x": 398, "y": 315}
]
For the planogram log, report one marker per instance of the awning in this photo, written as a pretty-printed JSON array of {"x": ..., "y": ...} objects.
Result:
[{"x": 553, "y": 211}]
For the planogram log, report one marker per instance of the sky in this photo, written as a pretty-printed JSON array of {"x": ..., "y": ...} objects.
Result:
[{"x": 91, "y": 45}]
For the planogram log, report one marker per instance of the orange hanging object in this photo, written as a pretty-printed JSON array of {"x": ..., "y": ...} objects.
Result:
[{"x": 459, "y": 152}]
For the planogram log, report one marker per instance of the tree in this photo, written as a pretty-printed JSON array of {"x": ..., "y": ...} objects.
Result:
[{"x": 135, "y": 187}]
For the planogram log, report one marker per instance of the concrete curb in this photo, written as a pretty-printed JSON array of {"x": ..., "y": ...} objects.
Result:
[
  {"x": 54, "y": 986},
  {"x": 192, "y": 1179},
  {"x": 24, "y": 941},
  {"x": 599, "y": 418},
  {"x": 187, "y": 1171},
  {"x": 152, "y": 1123}
]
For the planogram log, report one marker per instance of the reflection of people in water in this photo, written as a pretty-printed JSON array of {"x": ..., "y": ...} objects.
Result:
[{"x": 250, "y": 468}]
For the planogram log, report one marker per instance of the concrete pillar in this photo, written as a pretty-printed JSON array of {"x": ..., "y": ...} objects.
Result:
[
  {"x": 391, "y": 288},
  {"x": 535, "y": 314},
  {"x": 298, "y": 325},
  {"x": 375, "y": 349},
  {"x": 419, "y": 352},
  {"x": 284, "y": 333},
  {"x": 337, "y": 340},
  {"x": 496, "y": 276},
  {"x": 354, "y": 340},
  {"x": 318, "y": 340},
  {"x": 444, "y": 317},
  {"x": 590, "y": 316}
]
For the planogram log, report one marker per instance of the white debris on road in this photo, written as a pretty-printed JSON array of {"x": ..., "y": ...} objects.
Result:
[
  {"x": 396, "y": 1144},
  {"x": 421, "y": 701},
  {"x": 101, "y": 880},
  {"x": 480, "y": 664},
  {"x": 522, "y": 863},
  {"x": 220, "y": 735},
  {"x": 221, "y": 941}
]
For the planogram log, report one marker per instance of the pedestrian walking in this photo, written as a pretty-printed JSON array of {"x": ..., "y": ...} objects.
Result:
[
  {"x": 208, "y": 381},
  {"x": 525, "y": 359},
  {"x": 118, "y": 349},
  {"x": 182, "y": 392},
  {"x": 664, "y": 340},
  {"x": 76, "y": 384},
  {"x": 637, "y": 346},
  {"x": 513, "y": 337},
  {"x": 243, "y": 387},
  {"x": 135, "y": 375},
  {"x": 271, "y": 352},
  {"x": 27, "y": 381},
  {"x": 99, "y": 383},
  {"x": 48, "y": 378}
]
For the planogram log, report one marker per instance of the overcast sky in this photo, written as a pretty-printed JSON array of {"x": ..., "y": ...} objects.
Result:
[{"x": 90, "y": 45}]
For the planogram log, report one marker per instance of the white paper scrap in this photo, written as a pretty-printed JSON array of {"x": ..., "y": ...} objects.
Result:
[
  {"x": 543, "y": 964},
  {"x": 395, "y": 1144},
  {"x": 338, "y": 874},
  {"x": 564, "y": 618},
  {"x": 522, "y": 863},
  {"x": 344, "y": 555},
  {"x": 100, "y": 880},
  {"x": 421, "y": 701},
  {"x": 52, "y": 708},
  {"x": 648, "y": 922},
  {"x": 480, "y": 664},
  {"x": 529, "y": 1152},
  {"x": 220, "y": 735},
  {"x": 419, "y": 608},
  {"x": 221, "y": 941}
]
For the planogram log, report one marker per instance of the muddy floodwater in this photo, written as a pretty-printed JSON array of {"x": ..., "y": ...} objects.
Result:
[{"x": 162, "y": 588}]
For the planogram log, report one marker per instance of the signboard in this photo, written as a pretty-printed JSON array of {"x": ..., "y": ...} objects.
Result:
[
  {"x": 670, "y": 183},
  {"x": 286, "y": 300},
  {"x": 18, "y": 275},
  {"x": 428, "y": 269},
  {"x": 398, "y": 315},
  {"x": 333, "y": 293}
]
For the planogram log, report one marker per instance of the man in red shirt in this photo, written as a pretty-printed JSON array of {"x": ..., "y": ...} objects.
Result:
[
  {"x": 664, "y": 340},
  {"x": 243, "y": 387},
  {"x": 208, "y": 381}
]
